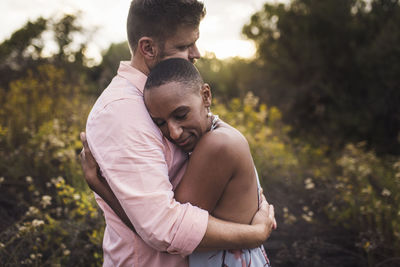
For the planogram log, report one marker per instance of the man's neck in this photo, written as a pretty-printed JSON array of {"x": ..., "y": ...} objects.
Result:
[{"x": 139, "y": 64}]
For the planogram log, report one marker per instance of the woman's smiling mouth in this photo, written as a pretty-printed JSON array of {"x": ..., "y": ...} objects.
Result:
[{"x": 184, "y": 142}]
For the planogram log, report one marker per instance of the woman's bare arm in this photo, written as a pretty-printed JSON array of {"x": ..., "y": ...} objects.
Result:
[{"x": 211, "y": 166}]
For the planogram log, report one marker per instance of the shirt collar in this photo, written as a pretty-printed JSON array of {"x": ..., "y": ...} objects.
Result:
[{"x": 133, "y": 75}]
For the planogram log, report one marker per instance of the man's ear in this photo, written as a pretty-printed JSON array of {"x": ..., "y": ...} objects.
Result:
[
  {"x": 147, "y": 47},
  {"x": 205, "y": 92}
]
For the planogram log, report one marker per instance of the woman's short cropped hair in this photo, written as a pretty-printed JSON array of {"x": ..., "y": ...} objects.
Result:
[{"x": 177, "y": 70}]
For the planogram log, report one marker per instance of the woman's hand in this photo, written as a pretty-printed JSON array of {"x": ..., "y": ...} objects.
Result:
[
  {"x": 265, "y": 218},
  {"x": 89, "y": 165},
  {"x": 227, "y": 235},
  {"x": 99, "y": 184}
]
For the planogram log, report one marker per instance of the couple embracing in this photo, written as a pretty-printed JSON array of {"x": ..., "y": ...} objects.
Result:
[{"x": 175, "y": 179}]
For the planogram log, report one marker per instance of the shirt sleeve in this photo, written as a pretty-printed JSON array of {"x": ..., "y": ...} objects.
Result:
[{"x": 130, "y": 151}]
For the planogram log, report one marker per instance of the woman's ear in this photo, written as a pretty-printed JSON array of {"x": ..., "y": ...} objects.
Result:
[
  {"x": 147, "y": 47},
  {"x": 205, "y": 92}
]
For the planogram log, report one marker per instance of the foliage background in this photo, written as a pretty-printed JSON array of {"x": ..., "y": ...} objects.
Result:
[{"x": 319, "y": 106}]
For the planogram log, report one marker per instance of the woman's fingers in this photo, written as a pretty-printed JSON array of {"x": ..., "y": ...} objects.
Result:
[
  {"x": 87, "y": 159},
  {"x": 84, "y": 140}
]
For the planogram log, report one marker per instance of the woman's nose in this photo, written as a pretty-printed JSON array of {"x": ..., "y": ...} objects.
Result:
[{"x": 175, "y": 131}]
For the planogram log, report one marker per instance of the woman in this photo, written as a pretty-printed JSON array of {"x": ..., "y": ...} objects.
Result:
[{"x": 220, "y": 176}]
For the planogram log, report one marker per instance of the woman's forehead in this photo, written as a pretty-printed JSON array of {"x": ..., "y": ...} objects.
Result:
[{"x": 173, "y": 90}]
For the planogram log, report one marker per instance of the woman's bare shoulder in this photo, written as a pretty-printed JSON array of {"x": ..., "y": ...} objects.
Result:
[{"x": 224, "y": 141}]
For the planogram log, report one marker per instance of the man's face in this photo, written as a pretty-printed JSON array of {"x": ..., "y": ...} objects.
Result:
[
  {"x": 180, "y": 114},
  {"x": 181, "y": 45}
]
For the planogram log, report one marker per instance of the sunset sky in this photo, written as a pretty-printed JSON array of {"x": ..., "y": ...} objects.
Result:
[{"x": 220, "y": 30}]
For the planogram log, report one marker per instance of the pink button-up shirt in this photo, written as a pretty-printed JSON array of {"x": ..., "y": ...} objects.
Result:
[{"x": 142, "y": 168}]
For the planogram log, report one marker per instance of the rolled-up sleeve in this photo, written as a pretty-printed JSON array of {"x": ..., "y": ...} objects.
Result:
[{"x": 131, "y": 153}]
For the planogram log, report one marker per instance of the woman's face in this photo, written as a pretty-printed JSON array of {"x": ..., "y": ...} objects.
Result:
[{"x": 179, "y": 112}]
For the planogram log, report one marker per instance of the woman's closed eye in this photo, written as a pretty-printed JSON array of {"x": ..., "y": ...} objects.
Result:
[
  {"x": 159, "y": 123},
  {"x": 180, "y": 116},
  {"x": 181, "y": 113}
]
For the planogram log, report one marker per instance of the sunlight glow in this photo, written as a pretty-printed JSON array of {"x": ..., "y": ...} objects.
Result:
[
  {"x": 227, "y": 48},
  {"x": 220, "y": 29}
]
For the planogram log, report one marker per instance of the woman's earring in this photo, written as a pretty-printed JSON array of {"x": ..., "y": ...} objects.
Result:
[{"x": 209, "y": 114}]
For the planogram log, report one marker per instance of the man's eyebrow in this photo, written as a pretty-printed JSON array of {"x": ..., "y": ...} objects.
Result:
[
  {"x": 183, "y": 44},
  {"x": 191, "y": 43}
]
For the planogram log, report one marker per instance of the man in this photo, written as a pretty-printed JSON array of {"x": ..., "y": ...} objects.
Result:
[{"x": 141, "y": 167}]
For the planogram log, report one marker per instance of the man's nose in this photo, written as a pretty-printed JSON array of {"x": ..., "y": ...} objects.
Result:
[
  {"x": 194, "y": 53},
  {"x": 175, "y": 131}
]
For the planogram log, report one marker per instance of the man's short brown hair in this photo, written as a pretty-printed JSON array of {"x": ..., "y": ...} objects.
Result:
[{"x": 159, "y": 19}]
